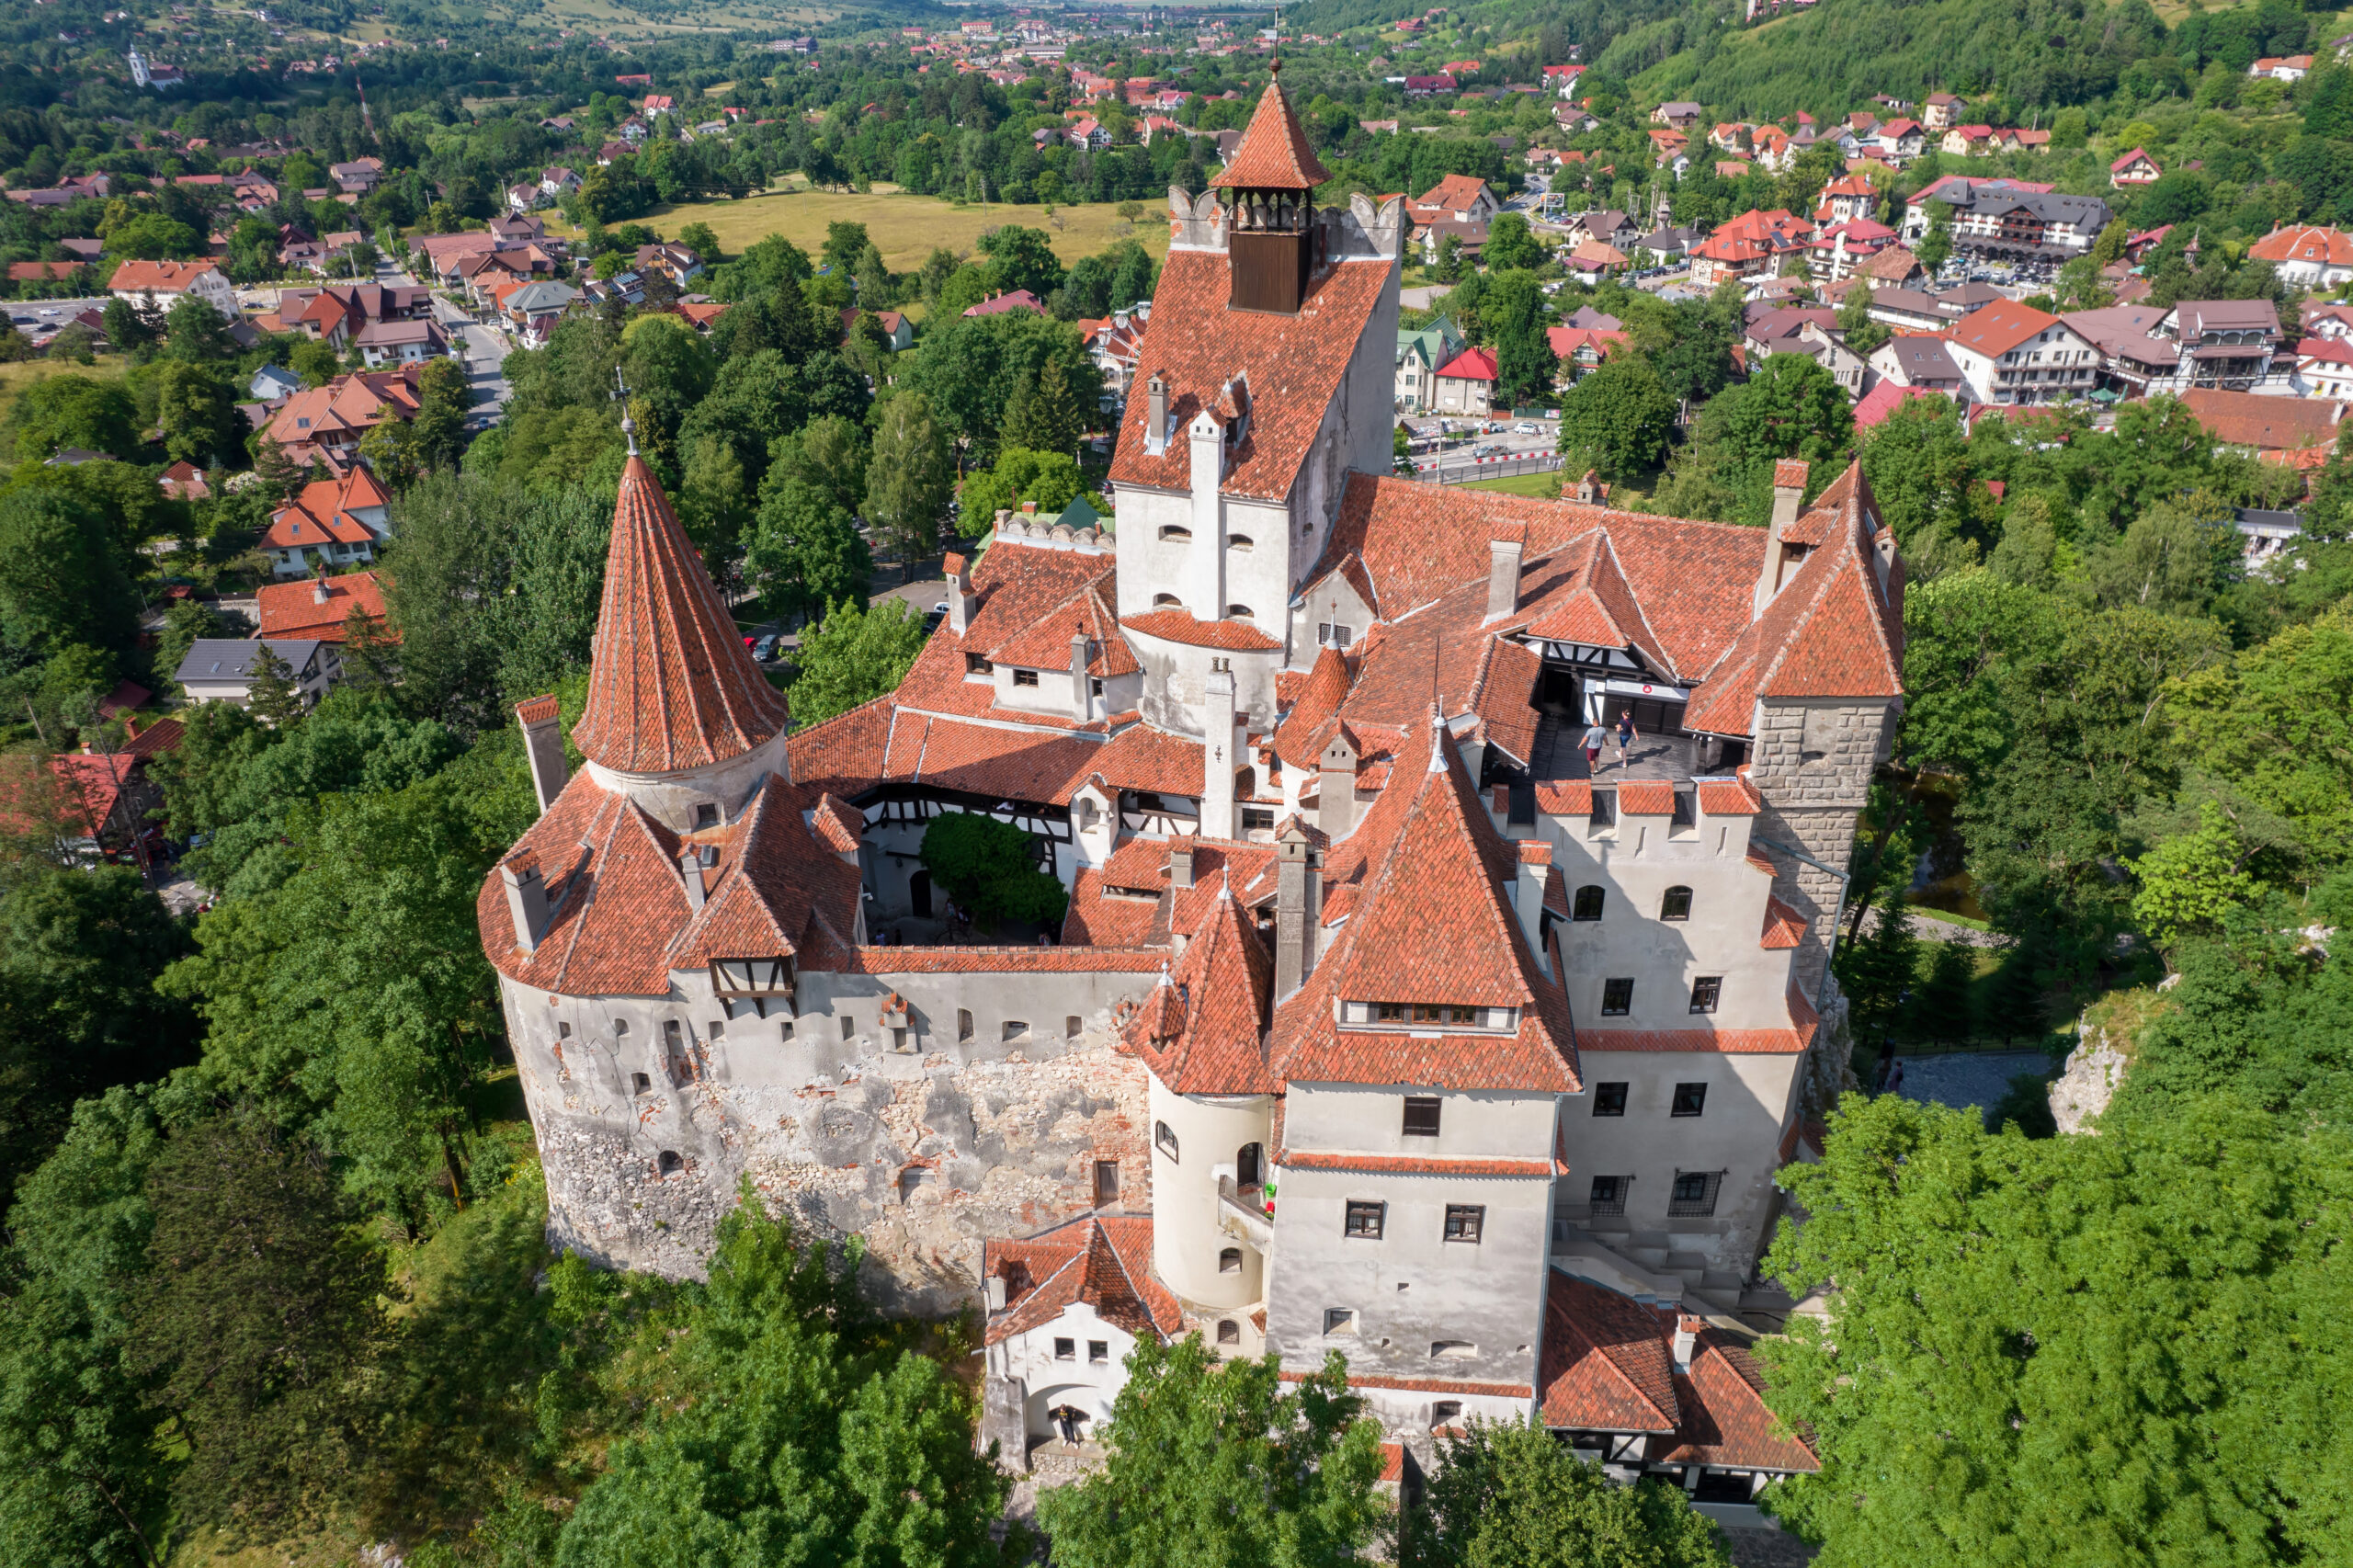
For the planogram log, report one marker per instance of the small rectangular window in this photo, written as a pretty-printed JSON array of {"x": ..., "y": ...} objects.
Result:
[
  {"x": 1065, "y": 1349},
  {"x": 1695, "y": 1194},
  {"x": 1609, "y": 1099},
  {"x": 976, "y": 666},
  {"x": 1392, "y": 1012},
  {"x": 1465, "y": 1222},
  {"x": 1107, "y": 1181},
  {"x": 1099, "y": 1350},
  {"x": 1705, "y": 990},
  {"x": 1339, "y": 1319},
  {"x": 1421, "y": 1115},
  {"x": 1365, "y": 1220},
  {"x": 1617, "y": 998},
  {"x": 1610, "y": 1194},
  {"x": 1463, "y": 1015},
  {"x": 1025, "y": 678},
  {"x": 1257, "y": 818},
  {"x": 1690, "y": 1099},
  {"x": 1427, "y": 1012}
]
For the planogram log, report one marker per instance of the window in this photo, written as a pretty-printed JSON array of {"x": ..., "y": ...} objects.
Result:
[
  {"x": 1691, "y": 1098},
  {"x": 976, "y": 666},
  {"x": 670, "y": 1164},
  {"x": 1704, "y": 992},
  {"x": 1617, "y": 998},
  {"x": 564, "y": 1031},
  {"x": 1339, "y": 1319},
  {"x": 964, "y": 1023},
  {"x": 1445, "y": 1412},
  {"x": 1695, "y": 1194},
  {"x": 1610, "y": 1194},
  {"x": 1453, "y": 1349},
  {"x": 1229, "y": 1260},
  {"x": 1246, "y": 1163},
  {"x": 849, "y": 1027},
  {"x": 1256, "y": 818},
  {"x": 1240, "y": 612},
  {"x": 1588, "y": 904},
  {"x": 1332, "y": 634},
  {"x": 1070, "y": 1025},
  {"x": 1107, "y": 1181},
  {"x": 1605, "y": 808},
  {"x": 1165, "y": 1136},
  {"x": 705, "y": 815},
  {"x": 1238, "y": 541},
  {"x": 1017, "y": 1029},
  {"x": 1094, "y": 686},
  {"x": 1230, "y": 1332},
  {"x": 1392, "y": 1012},
  {"x": 1166, "y": 601},
  {"x": 716, "y": 1028},
  {"x": 1099, "y": 1350},
  {"x": 1365, "y": 1220},
  {"x": 784, "y": 1030},
  {"x": 1609, "y": 1099},
  {"x": 639, "y": 1083},
  {"x": 1421, "y": 1115},
  {"x": 1427, "y": 1012},
  {"x": 1025, "y": 678},
  {"x": 1465, "y": 1222},
  {"x": 1177, "y": 533},
  {"x": 1065, "y": 1349},
  {"x": 1680, "y": 816},
  {"x": 1675, "y": 905}
]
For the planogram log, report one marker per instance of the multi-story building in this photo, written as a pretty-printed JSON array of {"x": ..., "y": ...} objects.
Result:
[
  {"x": 1384, "y": 1018},
  {"x": 2014, "y": 354},
  {"x": 2009, "y": 219},
  {"x": 2231, "y": 345}
]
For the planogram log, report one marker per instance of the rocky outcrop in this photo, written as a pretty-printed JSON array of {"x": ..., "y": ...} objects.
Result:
[{"x": 2105, "y": 1036}]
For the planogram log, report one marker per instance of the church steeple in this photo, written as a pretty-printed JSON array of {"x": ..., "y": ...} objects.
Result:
[
  {"x": 672, "y": 687},
  {"x": 1271, "y": 234}
]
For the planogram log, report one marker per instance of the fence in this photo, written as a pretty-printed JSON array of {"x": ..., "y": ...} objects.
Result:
[{"x": 1485, "y": 467}]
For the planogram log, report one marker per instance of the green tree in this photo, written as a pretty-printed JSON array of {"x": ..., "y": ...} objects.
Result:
[
  {"x": 1022, "y": 258},
  {"x": 1936, "y": 246},
  {"x": 55, "y": 412},
  {"x": 1617, "y": 419},
  {"x": 1513, "y": 316},
  {"x": 133, "y": 326},
  {"x": 262, "y": 1311},
  {"x": 703, "y": 240},
  {"x": 1190, "y": 1435},
  {"x": 437, "y": 433},
  {"x": 196, "y": 411},
  {"x": 1511, "y": 244},
  {"x": 2192, "y": 881},
  {"x": 1041, "y": 415},
  {"x": 911, "y": 476},
  {"x": 1514, "y": 1497},
  {"x": 1049, "y": 479},
  {"x": 990, "y": 869},
  {"x": 1791, "y": 407},
  {"x": 1855, "y": 323},
  {"x": 186, "y": 621},
  {"x": 271, "y": 697},
  {"x": 2005, "y": 1313},
  {"x": 852, "y": 657},
  {"x": 1940, "y": 1008},
  {"x": 197, "y": 333},
  {"x": 804, "y": 551},
  {"x": 830, "y": 454},
  {"x": 61, "y": 576}
]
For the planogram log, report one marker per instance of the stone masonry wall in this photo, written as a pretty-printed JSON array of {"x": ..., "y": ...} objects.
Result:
[{"x": 1813, "y": 765}]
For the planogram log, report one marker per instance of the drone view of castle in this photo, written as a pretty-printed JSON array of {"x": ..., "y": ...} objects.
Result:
[{"x": 1387, "y": 1016}]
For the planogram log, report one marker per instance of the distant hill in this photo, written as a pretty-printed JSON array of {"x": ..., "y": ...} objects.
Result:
[{"x": 1840, "y": 52}]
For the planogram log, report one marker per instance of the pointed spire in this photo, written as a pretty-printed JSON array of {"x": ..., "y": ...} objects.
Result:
[
  {"x": 671, "y": 687},
  {"x": 1273, "y": 154}
]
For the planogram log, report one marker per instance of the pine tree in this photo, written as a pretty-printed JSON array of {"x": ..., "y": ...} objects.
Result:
[
  {"x": 271, "y": 695},
  {"x": 1940, "y": 1008}
]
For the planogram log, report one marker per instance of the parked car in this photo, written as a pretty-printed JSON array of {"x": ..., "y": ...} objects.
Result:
[
  {"x": 1526, "y": 427},
  {"x": 765, "y": 649}
]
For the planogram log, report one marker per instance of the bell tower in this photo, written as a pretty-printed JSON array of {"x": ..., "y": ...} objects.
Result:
[{"x": 1271, "y": 231}]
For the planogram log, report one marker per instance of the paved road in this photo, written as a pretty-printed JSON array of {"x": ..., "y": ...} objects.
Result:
[
  {"x": 485, "y": 349},
  {"x": 1964, "y": 1078}
]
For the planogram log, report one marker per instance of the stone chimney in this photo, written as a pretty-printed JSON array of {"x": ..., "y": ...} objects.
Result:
[
  {"x": 960, "y": 598},
  {"x": 1217, "y": 751},
  {"x": 690, "y": 873},
  {"x": 1587, "y": 489},
  {"x": 1155, "y": 416},
  {"x": 1687, "y": 1336},
  {"x": 318, "y": 590},
  {"x": 1205, "y": 561},
  {"x": 1296, "y": 889},
  {"x": 1180, "y": 862},
  {"x": 1078, "y": 676},
  {"x": 1336, "y": 784},
  {"x": 1527, "y": 894},
  {"x": 527, "y": 898},
  {"x": 1788, "y": 499},
  {"x": 995, "y": 1287},
  {"x": 543, "y": 723},
  {"x": 1505, "y": 543}
]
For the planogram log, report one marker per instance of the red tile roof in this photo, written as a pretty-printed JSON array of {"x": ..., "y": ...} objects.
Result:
[
  {"x": 1784, "y": 927},
  {"x": 1415, "y": 1165},
  {"x": 295, "y": 610},
  {"x": 1273, "y": 154},
  {"x": 1724, "y": 1419},
  {"x": 321, "y": 513},
  {"x": 1472, "y": 365},
  {"x": 1293, "y": 365},
  {"x": 671, "y": 684},
  {"x": 2309, "y": 243},
  {"x": 1301, "y": 738},
  {"x": 1604, "y": 1366},
  {"x": 1201, "y": 1030},
  {"x": 158, "y": 276},
  {"x": 2001, "y": 327},
  {"x": 1101, "y": 1260},
  {"x": 2272, "y": 424}
]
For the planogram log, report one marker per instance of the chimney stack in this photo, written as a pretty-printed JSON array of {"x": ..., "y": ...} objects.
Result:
[
  {"x": 1505, "y": 543},
  {"x": 1078, "y": 676},
  {"x": 542, "y": 724},
  {"x": 1336, "y": 784},
  {"x": 960, "y": 594},
  {"x": 527, "y": 898},
  {"x": 1296, "y": 887},
  {"x": 1205, "y": 564},
  {"x": 1217, "y": 752},
  {"x": 1155, "y": 416},
  {"x": 1180, "y": 862},
  {"x": 1527, "y": 894},
  {"x": 1788, "y": 499},
  {"x": 690, "y": 873},
  {"x": 318, "y": 590},
  {"x": 1686, "y": 1334}
]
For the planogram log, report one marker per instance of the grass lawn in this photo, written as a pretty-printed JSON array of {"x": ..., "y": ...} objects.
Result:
[
  {"x": 1544, "y": 484},
  {"x": 15, "y": 376},
  {"x": 905, "y": 227}
]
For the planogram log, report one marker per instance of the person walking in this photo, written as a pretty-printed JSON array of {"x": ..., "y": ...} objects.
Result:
[
  {"x": 1627, "y": 736},
  {"x": 1595, "y": 737}
]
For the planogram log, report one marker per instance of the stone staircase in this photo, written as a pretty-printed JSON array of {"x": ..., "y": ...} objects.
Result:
[{"x": 1646, "y": 1265}]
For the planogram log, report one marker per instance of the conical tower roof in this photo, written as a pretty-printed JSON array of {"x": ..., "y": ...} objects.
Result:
[
  {"x": 1273, "y": 154},
  {"x": 672, "y": 687}
]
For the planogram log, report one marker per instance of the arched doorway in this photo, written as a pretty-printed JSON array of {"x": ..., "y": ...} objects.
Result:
[
  {"x": 919, "y": 894},
  {"x": 1248, "y": 1166}
]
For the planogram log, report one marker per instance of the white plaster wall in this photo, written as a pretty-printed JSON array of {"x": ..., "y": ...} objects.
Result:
[
  {"x": 1186, "y": 1234},
  {"x": 1150, "y": 565},
  {"x": 1259, "y": 577},
  {"x": 671, "y": 798},
  {"x": 1176, "y": 677},
  {"x": 1079, "y": 1382},
  {"x": 1359, "y": 1118}
]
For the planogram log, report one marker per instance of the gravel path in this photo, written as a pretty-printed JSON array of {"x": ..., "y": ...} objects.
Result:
[{"x": 1962, "y": 1078}]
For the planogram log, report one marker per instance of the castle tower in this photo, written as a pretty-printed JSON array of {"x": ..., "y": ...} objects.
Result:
[
  {"x": 1273, "y": 234},
  {"x": 679, "y": 717}
]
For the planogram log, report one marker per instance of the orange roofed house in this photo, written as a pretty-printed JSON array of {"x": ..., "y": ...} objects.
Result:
[
  {"x": 1520, "y": 1040},
  {"x": 330, "y": 523}
]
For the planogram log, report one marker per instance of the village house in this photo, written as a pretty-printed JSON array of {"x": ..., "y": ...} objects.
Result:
[
  {"x": 326, "y": 423},
  {"x": 1525, "y": 1037},
  {"x": 2010, "y": 352},
  {"x": 223, "y": 669},
  {"x": 319, "y": 609},
  {"x": 2134, "y": 168},
  {"x": 1466, "y": 384},
  {"x": 330, "y": 524},
  {"x": 159, "y": 283},
  {"x": 1419, "y": 355},
  {"x": 2308, "y": 256}
]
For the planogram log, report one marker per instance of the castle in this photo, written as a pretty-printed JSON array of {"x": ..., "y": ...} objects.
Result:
[{"x": 1380, "y": 1021}]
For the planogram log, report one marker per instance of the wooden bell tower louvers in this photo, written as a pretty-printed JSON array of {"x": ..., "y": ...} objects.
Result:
[{"x": 1271, "y": 234}]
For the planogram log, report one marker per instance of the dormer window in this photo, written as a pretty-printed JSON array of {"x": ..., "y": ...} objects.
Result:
[
  {"x": 975, "y": 665},
  {"x": 1176, "y": 534}
]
